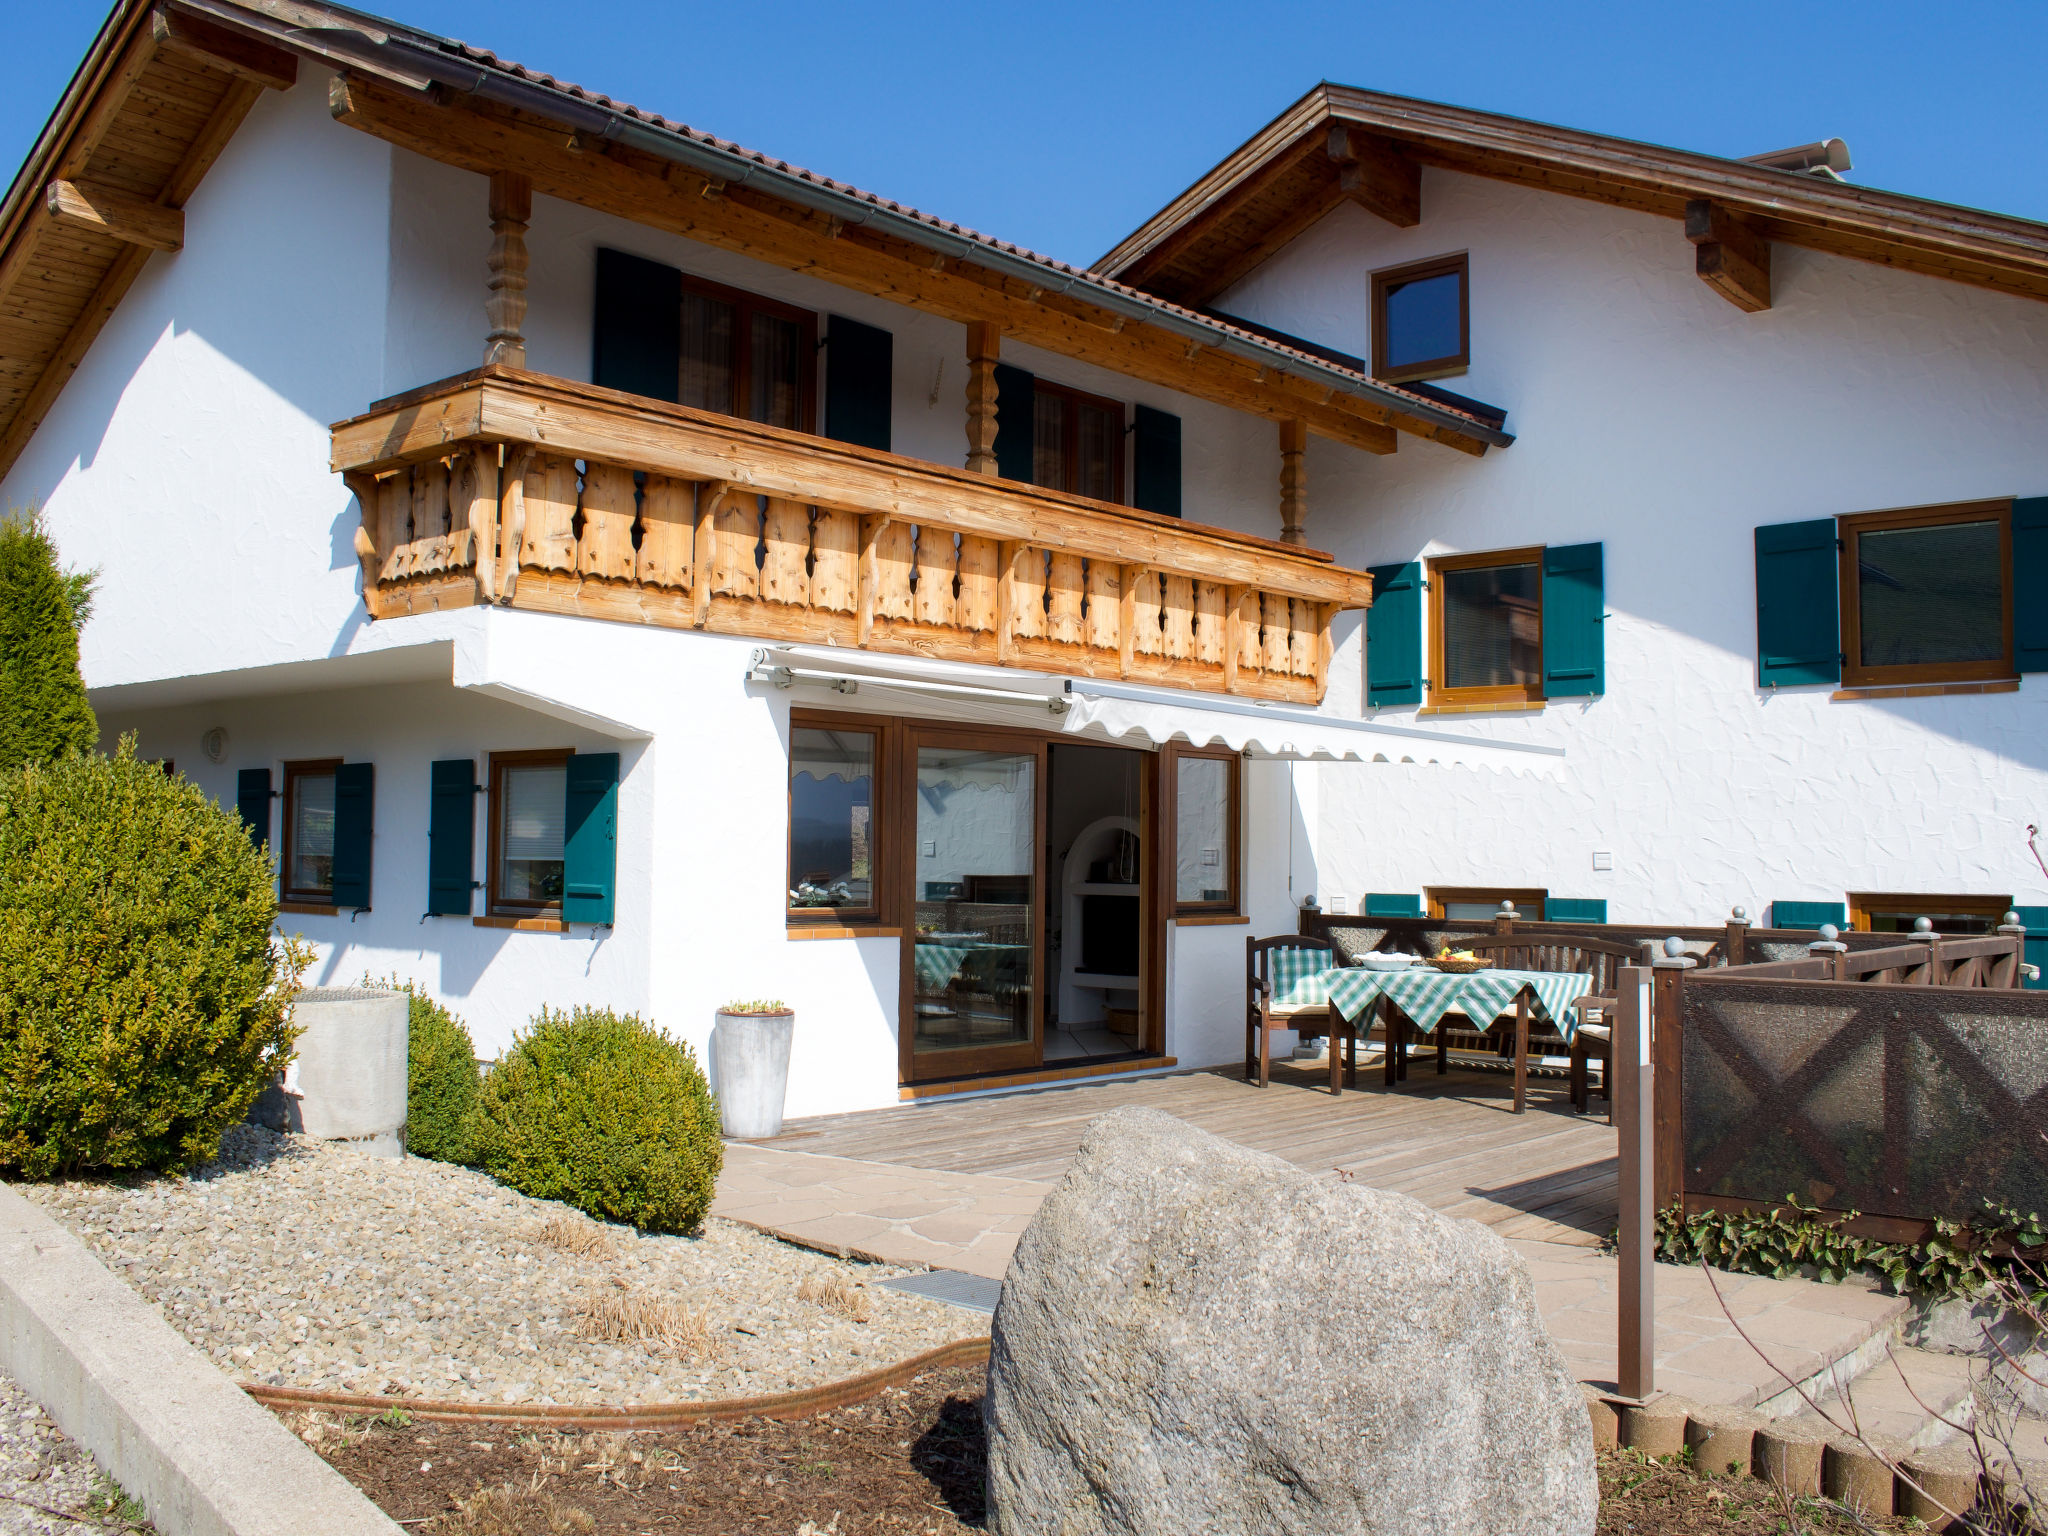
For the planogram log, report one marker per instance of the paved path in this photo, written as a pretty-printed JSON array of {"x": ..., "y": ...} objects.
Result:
[{"x": 1545, "y": 1176}]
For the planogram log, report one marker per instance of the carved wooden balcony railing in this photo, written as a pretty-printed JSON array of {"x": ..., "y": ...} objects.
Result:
[{"x": 502, "y": 486}]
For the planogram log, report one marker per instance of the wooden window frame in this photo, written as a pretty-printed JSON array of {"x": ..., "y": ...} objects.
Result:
[
  {"x": 1862, "y": 904},
  {"x": 1168, "y": 829},
  {"x": 308, "y": 768},
  {"x": 1429, "y": 368},
  {"x": 1508, "y": 695},
  {"x": 1527, "y": 899},
  {"x": 494, "y": 905},
  {"x": 1849, "y": 529},
  {"x": 745, "y": 306},
  {"x": 882, "y": 870},
  {"x": 1071, "y": 401}
]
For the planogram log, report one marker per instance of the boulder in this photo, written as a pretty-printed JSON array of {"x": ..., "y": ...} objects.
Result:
[{"x": 1195, "y": 1337}]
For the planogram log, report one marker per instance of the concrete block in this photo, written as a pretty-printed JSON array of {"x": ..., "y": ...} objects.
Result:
[
  {"x": 1853, "y": 1474},
  {"x": 1656, "y": 1428},
  {"x": 1606, "y": 1422},
  {"x": 1722, "y": 1441},
  {"x": 202, "y": 1456},
  {"x": 1788, "y": 1458},
  {"x": 349, "y": 1078},
  {"x": 1939, "y": 1488}
]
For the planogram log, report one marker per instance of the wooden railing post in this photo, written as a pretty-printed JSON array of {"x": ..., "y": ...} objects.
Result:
[
  {"x": 1930, "y": 971},
  {"x": 505, "y": 309},
  {"x": 2006, "y": 973},
  {"x": 984, "y": 346},
  {"x": 1504, "y": 919},
  {"x": 1634, "y": 1096},
  {"x": 1829, "y": 947},
  {"x": 1293, "y": 482},
  {"x": 1667, "y": 1052},
  {"x": 1736, "y": 947}
]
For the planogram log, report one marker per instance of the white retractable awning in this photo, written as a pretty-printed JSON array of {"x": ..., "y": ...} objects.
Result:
[{"x": 1100, "y": 710}]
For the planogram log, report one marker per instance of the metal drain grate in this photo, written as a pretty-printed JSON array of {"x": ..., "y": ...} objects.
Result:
[{"x": 952, "y": 1285}]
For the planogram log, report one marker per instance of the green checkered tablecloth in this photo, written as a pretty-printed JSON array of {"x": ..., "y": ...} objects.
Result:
[
  {"x": 938, "y": 964},
  {"x": 982, "y": 964},
  {"x": 1427, "y": 995}
]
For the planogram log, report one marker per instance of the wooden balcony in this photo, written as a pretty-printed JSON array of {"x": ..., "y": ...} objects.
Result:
[{"x": 502, "y": 486}]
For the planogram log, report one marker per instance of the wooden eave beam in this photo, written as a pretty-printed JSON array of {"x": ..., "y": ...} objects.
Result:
[
  {"x": 204, "y": 41},
  {"x": 105, "y": 211},
  {"x": 483, "y": 138},
  {"x": 1374, "y": 174},
  {"x": 1730, "y": 257}
]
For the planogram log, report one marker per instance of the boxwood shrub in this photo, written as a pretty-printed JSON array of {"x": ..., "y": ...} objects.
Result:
[
  {"x": 144, "y": 999},
  {"x": 604, "y": 1111},
  {"x": 443, "y": 1088}
]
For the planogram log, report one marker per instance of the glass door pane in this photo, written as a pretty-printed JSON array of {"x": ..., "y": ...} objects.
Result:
[{"x": 974, "y": 959}]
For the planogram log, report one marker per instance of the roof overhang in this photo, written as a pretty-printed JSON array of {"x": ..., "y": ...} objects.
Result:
[{"x": 1339, "y": 143}]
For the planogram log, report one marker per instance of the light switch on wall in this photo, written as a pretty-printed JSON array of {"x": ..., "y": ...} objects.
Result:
[
  {"x": 931, "y": 847},
  {"x": 1603, "y": 861}
]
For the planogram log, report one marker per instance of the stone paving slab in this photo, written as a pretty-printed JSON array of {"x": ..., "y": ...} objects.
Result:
[{"x": 971, "y": 1222}]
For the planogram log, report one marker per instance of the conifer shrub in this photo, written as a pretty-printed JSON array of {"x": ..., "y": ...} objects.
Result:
[
  {"x": 604, "y": 1111},
  {"x": 43, "y": 709},
  {"x": 443, "y": 1088},
  {"x": 144, "y": 999}
]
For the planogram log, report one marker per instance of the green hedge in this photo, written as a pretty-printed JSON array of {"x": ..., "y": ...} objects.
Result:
[
  {"x": 443, "y": 1088},
  {"x": 605, "y": 1112},
  {"x": 144, "y": 999}
]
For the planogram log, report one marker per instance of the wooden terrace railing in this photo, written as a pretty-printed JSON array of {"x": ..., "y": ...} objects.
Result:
[{"x": 503, "y": 486}]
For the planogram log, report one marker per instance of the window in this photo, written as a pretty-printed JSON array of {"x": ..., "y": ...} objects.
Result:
[
  {"x": 1203, "y": 795},
  {"x": 1891, "y": 913},
  {"x": 1927, "y": 595},
  {"x": 746, "y": 356},
  {"x": 834, "y": 852},
  {"x": 1077, "y": 442},
  {"x": 1486, "y": 628},
  {"x": 1421, "y": 326},
  {"x": 529, "y": 831},
  {"x": 1481, "y": 904},
  {"x": 307, "y": 859}
]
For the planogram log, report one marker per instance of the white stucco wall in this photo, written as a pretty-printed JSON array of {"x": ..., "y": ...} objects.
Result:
[{"x": 1656, "y": 418}]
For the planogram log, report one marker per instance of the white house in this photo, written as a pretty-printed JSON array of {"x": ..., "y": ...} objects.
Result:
[{"x": 607, "y": 565}]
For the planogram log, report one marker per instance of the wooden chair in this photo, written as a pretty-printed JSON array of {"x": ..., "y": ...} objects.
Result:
[
  {"x": 1602, "y": 959},
  {"x": 1262, "y": 1015}
]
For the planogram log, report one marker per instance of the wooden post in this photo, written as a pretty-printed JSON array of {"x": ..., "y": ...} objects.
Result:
[
  {"x": 368, "y": 556},
  {"x": 1736, "y": 949},
  {"x": 2006, "y": 971},
  {"x": 1521, "y": 1050},
  {"x": 1504, "y": 919},
  {"x": 1634, "y": 1094},
  {"x": 1830, "y": 948},
  {"x": 511, "y": 211},
  {"x": 1233, "y": 634},
  {"x": 1667, "y": 1053},
  {"x": 1930, "y": 970},
  {"x": 984, "y": 346},
  {"x": 870, "y": 578},
  {"x": 1293, "y": 481},
  {"x": 704, "y": 549}
]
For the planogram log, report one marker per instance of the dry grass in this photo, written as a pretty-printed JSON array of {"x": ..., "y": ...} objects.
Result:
[
  {"x": 624, "y": 1316},
  {"x": 510, "y": 1510},
  {"x": 573, "y": 1234},
  {"x": 835, "y": 1293}
]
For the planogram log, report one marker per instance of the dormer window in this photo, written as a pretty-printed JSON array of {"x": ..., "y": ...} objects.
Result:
[{"x": 1421, "y": 320}]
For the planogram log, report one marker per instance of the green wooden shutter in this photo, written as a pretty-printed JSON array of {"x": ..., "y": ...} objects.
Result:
[
  {"x": 590, "y": 857},
  {"x": 1574, "y": 614},
  {"x": 451, "y": 837},
  {"x": 1573, "y": 909},
  {"x": 637, "y": 337},
  {"x": 1155, "y": 472},
  {"x": 252, "y": 803},
  {"x": 1016, "y": 411},
  {"x": 1393, "y": 635},
  {"x": 1392, "y": 904},
  {"x": 1808, "y": 914},
  {"x": 2030, "y": 584},
  {"x": 355, "y": 794},
  {"x": 2036, "y": 921},
  {"x": 1798, "y": 612},
  {"x": 859, "y": 379}
]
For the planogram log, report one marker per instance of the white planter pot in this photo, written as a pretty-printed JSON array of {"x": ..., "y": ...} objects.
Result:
[{"x": 752, "y": 1054}]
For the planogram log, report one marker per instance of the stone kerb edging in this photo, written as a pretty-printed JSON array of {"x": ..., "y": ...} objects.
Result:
[
  {"x": 165, "y": 1423},
  {"x": 1742, "y": 1442}
]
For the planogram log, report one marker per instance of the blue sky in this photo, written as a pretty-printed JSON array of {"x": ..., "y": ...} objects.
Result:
[{"x": 1062, "y": 126}]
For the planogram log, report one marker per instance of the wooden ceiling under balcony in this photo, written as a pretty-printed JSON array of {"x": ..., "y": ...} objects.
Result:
[{"x": 151, "y": 108}]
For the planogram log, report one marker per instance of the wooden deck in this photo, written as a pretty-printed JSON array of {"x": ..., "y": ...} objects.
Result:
[{"x": 1546, "y": 1176}]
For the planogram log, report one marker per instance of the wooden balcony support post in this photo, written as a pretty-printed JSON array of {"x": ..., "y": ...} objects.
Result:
[
  {"x": 984, "y": 346},
  {"x": 505, "y": 309},
  {"x": 1293, "y": 481},
  {"x": 364, "y": 484}
]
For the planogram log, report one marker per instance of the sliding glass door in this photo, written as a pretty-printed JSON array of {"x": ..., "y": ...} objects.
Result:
[{"x": 974, "y": 961}]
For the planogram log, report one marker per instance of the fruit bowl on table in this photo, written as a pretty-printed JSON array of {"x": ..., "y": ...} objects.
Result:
[{"x": 1455, "y": 965}]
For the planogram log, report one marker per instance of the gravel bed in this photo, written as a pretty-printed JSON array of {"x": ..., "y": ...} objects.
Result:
[
  {"x": 49, "y": 1483},
  {"x": 299, "y": 1263}
]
